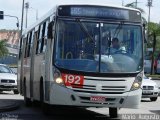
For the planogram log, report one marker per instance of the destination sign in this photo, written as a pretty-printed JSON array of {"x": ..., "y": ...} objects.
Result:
[
  {"x": 99, "y": 12},
  {"x": 1, "y": 15}
]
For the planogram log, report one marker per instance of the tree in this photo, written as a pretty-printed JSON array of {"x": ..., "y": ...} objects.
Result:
[
  {"x": 154, "y": 28},
  {"x": 153, "y": 41},
  {"x": 3, "y": 49}
]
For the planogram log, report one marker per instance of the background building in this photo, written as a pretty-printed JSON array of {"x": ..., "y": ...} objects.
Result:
[{"x": 12, "y": 38}]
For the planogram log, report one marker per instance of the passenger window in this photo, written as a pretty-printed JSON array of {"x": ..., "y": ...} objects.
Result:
[
  {"x": 26, "y": 47},
  {"x": 29, "y": 44},
  {"x": 42, "y": 40},
  {"x": 38, "y": 42},
  {"x": 45, "y": 36},
  {"x": 31, "y": 41},
  {"x": 21, "y": 47}
]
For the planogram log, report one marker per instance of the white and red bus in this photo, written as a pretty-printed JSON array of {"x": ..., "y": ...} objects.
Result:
[{"x": 66, "y": 58}]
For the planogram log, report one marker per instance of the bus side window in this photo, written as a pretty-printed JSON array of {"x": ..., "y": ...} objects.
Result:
[
  {"x": 45, "y": 36},
  {"x": 26, "y": 46},
  {"x": 31, "y": 42},
  {"x": 37, "y": 47},
  {"x": 42, "y": 39},
  {"x": 20, "y": 48}
]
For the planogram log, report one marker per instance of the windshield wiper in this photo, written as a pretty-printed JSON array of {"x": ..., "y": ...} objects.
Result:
[
  {"x": 85, "y": 30},
  {"x": 109, "y": 43},
  {"x": 118, "y": 29}
]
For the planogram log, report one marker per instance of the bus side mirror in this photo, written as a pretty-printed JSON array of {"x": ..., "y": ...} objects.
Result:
[
  {"x": 50, "y": 31},
  {"x": 144, "y": 29}
]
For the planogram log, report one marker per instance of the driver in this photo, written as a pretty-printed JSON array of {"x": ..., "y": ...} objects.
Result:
[
  {"x": 115, "y": 43},
  {"x": 116, "y": 46}
]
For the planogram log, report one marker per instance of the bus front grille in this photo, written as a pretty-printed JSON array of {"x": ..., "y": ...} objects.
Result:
[
  {"x": 93, "y": 89},
  {"x": 101, "y": 85},
  {"x": 97, "y": 92}
]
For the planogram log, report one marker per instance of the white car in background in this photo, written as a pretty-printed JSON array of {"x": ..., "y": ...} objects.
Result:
[
  {"x": 147, "y": 65},
  {"x": 150, "y": 89},
  {"x": 8, "y": 79}
]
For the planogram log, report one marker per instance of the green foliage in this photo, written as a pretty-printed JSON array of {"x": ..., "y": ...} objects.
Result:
[
  {"x": 3, "y": 49},
  {"x": 153, "y": 28}
]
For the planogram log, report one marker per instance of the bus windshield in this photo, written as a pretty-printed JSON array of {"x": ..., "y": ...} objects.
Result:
[{"x": 89, "y": 46}]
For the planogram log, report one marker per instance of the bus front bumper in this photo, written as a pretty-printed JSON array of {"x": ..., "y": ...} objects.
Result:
[{"x": 60, "y": 95}]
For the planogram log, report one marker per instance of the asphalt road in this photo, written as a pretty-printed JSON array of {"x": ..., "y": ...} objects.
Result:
[{"x": 35, "y": 113}]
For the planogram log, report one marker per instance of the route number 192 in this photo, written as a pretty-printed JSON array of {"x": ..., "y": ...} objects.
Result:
[{"x": 71, "y": 80}]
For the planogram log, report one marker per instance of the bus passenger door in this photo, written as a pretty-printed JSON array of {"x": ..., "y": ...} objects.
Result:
[
  {"x": 20, "y": 65},
  {"x": 33, "y": 46},
  {"x": 48, "y": 57}
]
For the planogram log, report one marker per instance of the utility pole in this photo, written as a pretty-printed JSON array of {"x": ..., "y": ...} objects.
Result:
[
  {"x": 136, "y": 3},
  {"x": 36, "y": 10},
  {"x": 26, "y": 7},
  {"x": 149, "y": 8},
  {"x": 122, "y": 2},
  {"x": 154, "y": 49},
  {"x": 22, "y": 17}
]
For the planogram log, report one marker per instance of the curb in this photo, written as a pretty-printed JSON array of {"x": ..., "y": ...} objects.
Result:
[
  {"x": 9, "y": 107},
  {"x": 155, "y": 78}
]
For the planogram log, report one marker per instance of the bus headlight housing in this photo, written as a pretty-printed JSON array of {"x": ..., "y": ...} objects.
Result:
[
  {"x": 137, "y": 82},
  {"x": 57, "y": 77}
]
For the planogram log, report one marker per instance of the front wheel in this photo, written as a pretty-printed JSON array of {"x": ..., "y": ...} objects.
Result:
[
  {"x": 27, "y": 101},
  {"x": 153, "y": 98},
  {"x": 113, "y": 112},
  {"x": 45, "y": 106}
]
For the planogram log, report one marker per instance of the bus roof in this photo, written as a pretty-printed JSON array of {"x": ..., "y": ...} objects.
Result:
[{"x": 53, "y": 11}]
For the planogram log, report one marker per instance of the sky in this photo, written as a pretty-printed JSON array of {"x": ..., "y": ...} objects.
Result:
[{"x": 14, "y": 8}]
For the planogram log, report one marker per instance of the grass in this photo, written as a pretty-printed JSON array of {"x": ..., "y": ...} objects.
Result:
[{"x": 153, "y": 76}]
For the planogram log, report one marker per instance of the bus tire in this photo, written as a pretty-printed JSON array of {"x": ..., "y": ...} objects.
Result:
[
  {"x": 27, "y": 101},
  {"x": 153, "y": 98},
  {"x": 15, "y": 91},
  {"x": 44, "y": 106},
  {"x": 113, "y": 112}
]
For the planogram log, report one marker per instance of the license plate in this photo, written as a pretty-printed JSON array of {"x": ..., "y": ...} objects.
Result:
[
  {"x": 146, "y": 92},
  {"x": 98, "y": 98},
  {"x": 7, "y": 84}
]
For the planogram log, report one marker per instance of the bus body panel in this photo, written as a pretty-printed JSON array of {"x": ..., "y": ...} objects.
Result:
[
  {"x": 26, "y": 67},
  {"x": 38, "y": 63},
  {"x": 129, "y": 97}
]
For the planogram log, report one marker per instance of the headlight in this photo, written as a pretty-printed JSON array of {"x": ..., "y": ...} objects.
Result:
[
  {"x": 137, "y": 82},
  {"x": 59, "y": 80},
  {"x": 57, "y": 77}
]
